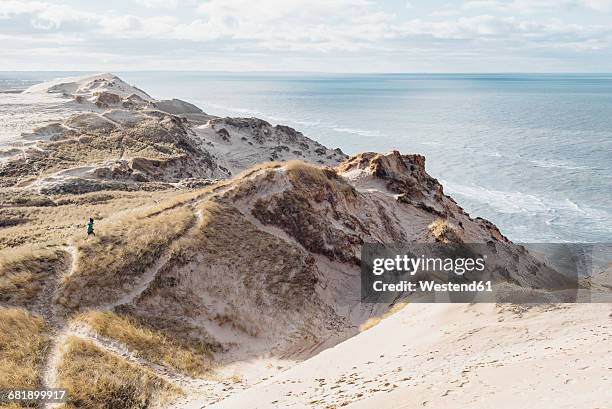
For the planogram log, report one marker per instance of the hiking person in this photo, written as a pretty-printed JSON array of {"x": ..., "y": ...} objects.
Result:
[{"x": 90, "y": 228}]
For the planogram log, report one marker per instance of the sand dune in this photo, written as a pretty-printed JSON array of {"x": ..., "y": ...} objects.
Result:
[{"x": 456, "y": 356}]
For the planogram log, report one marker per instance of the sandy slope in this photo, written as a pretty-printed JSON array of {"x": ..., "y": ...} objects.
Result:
[
  {"x": 457, "y": 356},
  {"x": 49, "y": 101}
]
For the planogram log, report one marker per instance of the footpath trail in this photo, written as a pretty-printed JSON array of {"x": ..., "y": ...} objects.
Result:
[
  {"x": 62, "y": 329},
  {"x": 147, "y": 278},
  {"x": 56, "y": 317}
]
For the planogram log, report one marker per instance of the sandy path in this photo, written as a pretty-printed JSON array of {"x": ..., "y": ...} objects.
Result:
[
  {"x": 83, "y": 331},
  {"x": 63, "y": 329},
  {"x": 147, "y": 278},
  {"x": 197, "y": 390},
  {"x": 56, "y": 318}
]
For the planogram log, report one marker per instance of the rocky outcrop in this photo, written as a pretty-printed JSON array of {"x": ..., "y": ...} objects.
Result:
[{"x": 405, "y": 177}]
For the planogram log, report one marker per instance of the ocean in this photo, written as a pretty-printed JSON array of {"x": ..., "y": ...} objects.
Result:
[{"x": 530, "y": 152}]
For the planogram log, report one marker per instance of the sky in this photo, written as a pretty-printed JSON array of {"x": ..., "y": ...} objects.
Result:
[{"x": 307, "y": 35}]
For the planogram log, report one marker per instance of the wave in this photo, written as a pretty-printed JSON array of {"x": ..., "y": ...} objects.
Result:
[
  {"x": 502, "y": 201},
  {"x": 493, "y": 154},
  {"x": 551, "y": 163},
  {"x": 360, "y": 132},
  {"x": 519, "y": 202},
  {"x": 589, "y": 212},
  {"x": 206, "y": 104}
]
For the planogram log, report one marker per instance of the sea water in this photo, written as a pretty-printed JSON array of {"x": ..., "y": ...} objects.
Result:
[{"x": 530, "y": 152}]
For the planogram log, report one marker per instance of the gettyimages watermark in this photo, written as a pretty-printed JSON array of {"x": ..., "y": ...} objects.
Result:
[{"x": 487, "y": 272}]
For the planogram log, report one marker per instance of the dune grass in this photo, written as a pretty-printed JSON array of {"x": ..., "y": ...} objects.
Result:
[
  {"x": 59, "y": 224},
  {"x": 279, "y": 275},
  {"x": 23, "y": 341},
  {"x": 445, "y": 232},
  {"x": 310, "y": 176},
  {"x": 152, "y": 345},
  {"x": 120, "y": 252},
  {"x": 11, "y": 405},
  {"x": 95, "y": 379},
  {"x": 23, "y": 272},
  {"x": 374, "y": 321}
]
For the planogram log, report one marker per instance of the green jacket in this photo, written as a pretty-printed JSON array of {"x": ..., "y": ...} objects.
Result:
[{"x": 90, "y": 228}]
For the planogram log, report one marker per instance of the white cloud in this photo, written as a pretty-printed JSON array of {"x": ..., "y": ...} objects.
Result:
[
  {"x": 297, "y": 25},
  {"x": 599, "y": 5},
  {"x": 485, "y": 5},
  {"x": 319, "y": 29},
  {"x": 444, "y": 13},
  {"x": 44, "y": 15},
  {"x": 537, "y": 6},
  {"x": 158, "y": 4}
]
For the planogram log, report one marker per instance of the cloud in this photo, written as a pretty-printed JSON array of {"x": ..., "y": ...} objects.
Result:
[
  {"x": 599, "y": 5},
  {"x": 45, "y": 16},
  {"x": 158, "y": 4},
  {"x": 539, "y": 6},
  {"x": 310, "y": 25},
  {"x": 314, "y": 30}
]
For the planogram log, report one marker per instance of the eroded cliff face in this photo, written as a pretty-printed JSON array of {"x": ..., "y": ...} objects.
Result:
[{"x": 405, "y": 177}]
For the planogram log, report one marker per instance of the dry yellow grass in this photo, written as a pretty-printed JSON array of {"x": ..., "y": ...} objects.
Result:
[
  {"x": 10, "y": 406},
  {"x": 236, "y": 378},
  {"x": 374, "y": 321},
  {"x": 256, "y": 168},
  {"x": 309, "y": 175},
  {"x": 96, "y": 379},
  {"x": 224, "y": 240},
  {"x": 151, "y": 345},
  {"x": 24, "y": 270},
  {"x": 23, "y": 341},
  {"x": 176, "y": 200},
  {"x": 119, "y": 253},
  {"x": 444, "y": 232},
  {"x": 66, "y": 218}
]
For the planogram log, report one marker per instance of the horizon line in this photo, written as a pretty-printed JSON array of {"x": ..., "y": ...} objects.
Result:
[{"x": 324, "y": 72}]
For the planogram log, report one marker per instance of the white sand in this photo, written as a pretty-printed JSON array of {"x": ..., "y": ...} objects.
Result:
[{"x": 456, "y": 356}]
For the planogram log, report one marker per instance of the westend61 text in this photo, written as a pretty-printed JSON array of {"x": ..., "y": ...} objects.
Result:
[{"x": 432, "y": 286}]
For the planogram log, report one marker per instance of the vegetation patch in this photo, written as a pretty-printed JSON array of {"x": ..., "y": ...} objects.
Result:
[
  {"x": 24, "y": 271},
  {"x": 374, "y": 321},
  {"x": 444, "y": 232},
  {"x": 58, "y": 225},
  {"x": 267, "y": 274},
  {"x": 301, "y": 211},
  {"x": 23, "y": 341},
  {"x": 119, "y": 253},
  {"x": 96, "y": 379},
  {"x": 321, "y": 181},
  {"x": 150, "y": 344}
]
